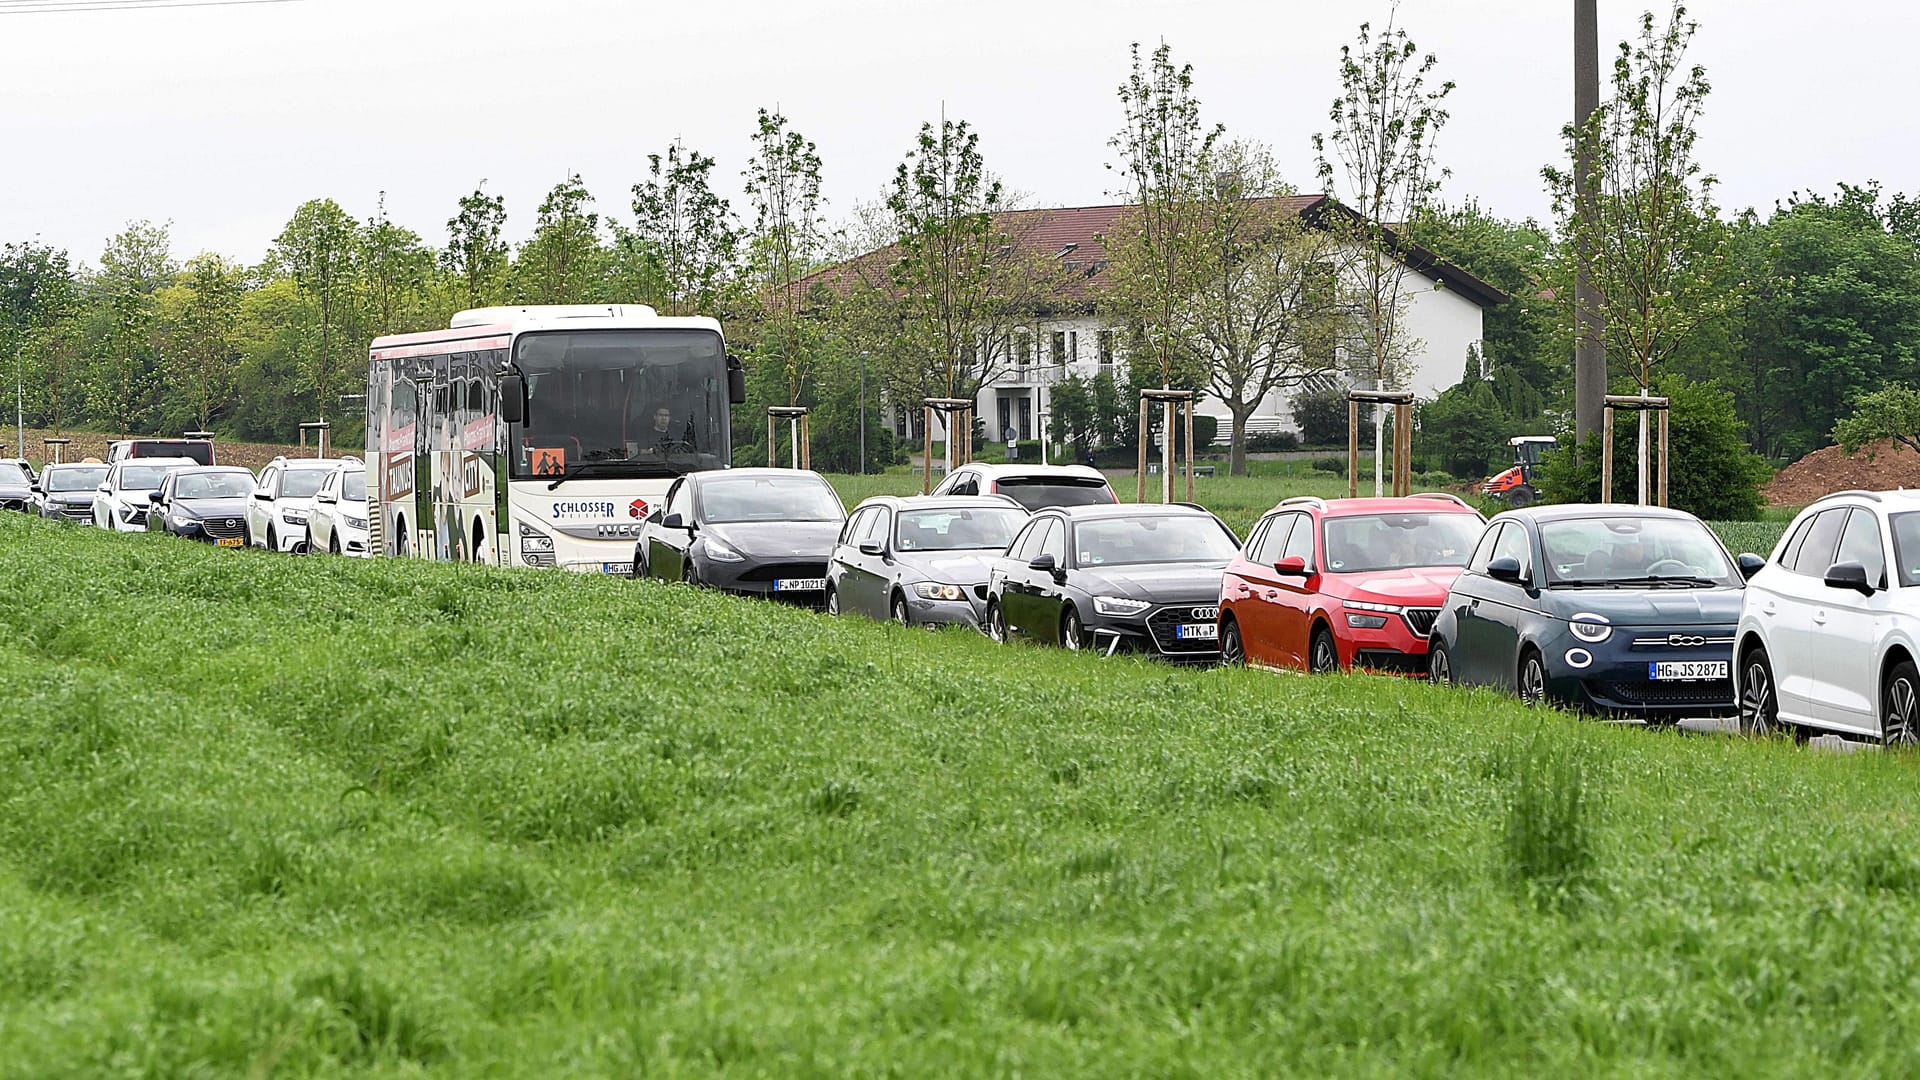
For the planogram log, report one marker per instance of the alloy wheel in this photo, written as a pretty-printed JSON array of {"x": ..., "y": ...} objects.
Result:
[
  {"x": 1439, "y": 665},
  {"x": 900, "y": 611},
  {"x": 1759, "y": 706},
  {"x": 1070, "y": 630},
  {"x": 1900, "y": 722},
  {"x": 1233, "y": 652},
  {"x": 1323, "y": 658},
  {"x": 996, "y": 623},
  {"x": 1533, "y": 679},
  {"x": 833, "y": 601},
  {"x": 687, "y": 576}
]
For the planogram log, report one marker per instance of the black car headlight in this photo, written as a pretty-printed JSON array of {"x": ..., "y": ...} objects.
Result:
[
  {"x": 1119, "y": 605},
  {"x": 720, "y": 552}
]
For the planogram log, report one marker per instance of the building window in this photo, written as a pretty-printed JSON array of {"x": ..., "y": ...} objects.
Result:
[
  {"x": 1073, "y": 346},
  {"x": 1059, "y": 348},
  {"x": 1106, "y": 348},
  {"x": 1023, "y": 348}
]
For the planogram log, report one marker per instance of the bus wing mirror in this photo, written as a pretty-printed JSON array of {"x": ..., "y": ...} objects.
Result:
[
  {"x": 513, "y": 399},
  {"x": 736, "y": 382}
]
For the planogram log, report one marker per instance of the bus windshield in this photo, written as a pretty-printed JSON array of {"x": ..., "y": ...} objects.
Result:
[{"x": 614, "y": 403}]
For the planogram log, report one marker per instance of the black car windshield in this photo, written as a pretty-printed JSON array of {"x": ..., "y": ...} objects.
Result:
[
  {"x": 1040, "y": 492},
  {"x": 737, "y": 499},
  {"x": 1390, "y": 541},
  {"x": 214, "y": 486},
  {"x": 302, "y": 483},
  {"x": 75, "y": 479},
  {"x": 1627, "y": 549},
  {"x": 145, "y": 477},
  {"x": 353, "y": 487},
  {"x": 629, "y": 402},
  {"x": 1158, "y": 538},
  {"x": 967, "y": 529}
]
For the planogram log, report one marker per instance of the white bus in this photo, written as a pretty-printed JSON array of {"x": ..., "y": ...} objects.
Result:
[{"x": 541, "y": 436}]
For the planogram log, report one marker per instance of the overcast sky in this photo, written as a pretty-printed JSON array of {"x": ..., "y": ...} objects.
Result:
[{"x": 222, "y": 120}]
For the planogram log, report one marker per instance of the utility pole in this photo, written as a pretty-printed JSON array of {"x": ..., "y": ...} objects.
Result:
[
  {"x": 863, "y": 413},
  {"x": 1590, "y": 347},
  {"x": 19, "y": 403}
]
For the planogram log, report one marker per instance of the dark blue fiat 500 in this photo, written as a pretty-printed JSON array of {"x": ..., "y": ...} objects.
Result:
[{"x": 1615, "y": 609}]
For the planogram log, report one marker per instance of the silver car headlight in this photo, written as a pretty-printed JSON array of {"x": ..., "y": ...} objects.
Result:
[
  {"x": 1119, "y": 605},
  {"x": 1590, "y": 627},
  {"x": 936, "y": 590},
  {"x": 720, "y": 552}
]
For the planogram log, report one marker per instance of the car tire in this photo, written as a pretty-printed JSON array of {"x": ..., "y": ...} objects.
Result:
[
  {"x": 1072, "y": 633},
  {"x": 900, "y": 613},
  {"x": 1530, "y": 681},
  {"x": 1900, "y": 708},
  {"x": 687, "y": 575},
  {"x": 997, "y": 623},
  {"x": 1759, "y": 696},
  {"x": 1233, "y": 650},
  {"x": 833, "y": 600},
  {"x": 1439, "y": 663},
  {"x": 333, "y": 543},
  {"x": 273, "y": 542},
  {"x": 1323, "y": 656}
]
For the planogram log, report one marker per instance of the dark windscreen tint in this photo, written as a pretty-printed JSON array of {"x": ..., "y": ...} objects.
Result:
[
  {"x": 767, "y": 498},
  {"x": 61, "y": 479},
  {"x": 214, "y": 486},
  {"x": 302, "y": 483},
  {"x": 1632, "y": 549},
  {"x": 1389, "y": 541},
  {"x": 1039, "y": 492},
  {"x": 196, "y": 449},
  {"x": 1152, "y": 539},
  {"x": 353, "y": 487},
  {"x": 984, "y": 529},
  {"x": 629, "y": 402}
]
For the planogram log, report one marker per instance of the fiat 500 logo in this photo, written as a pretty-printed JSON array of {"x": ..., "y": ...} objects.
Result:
[{"x": 1685, "y": 641}]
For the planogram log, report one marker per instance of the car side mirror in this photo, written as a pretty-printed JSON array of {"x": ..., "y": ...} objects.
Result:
[
  {"x": 1505, "y": 568},
  {"x": 153, "y": 497},
  {"x": 513, "y": 399},
  {"x": 675, "y": 521},
  {"x": 1849, "y": 575},
  {"x": 872, "y": 547},
  {"x": 323, "y": 497},
  {"x": 1047, "y": 564},
  {"x": 263, "y": 496},
  {"x": 736, "y": 382},
  {"x": 1291, "y": 566},
  {"x": 1750, "y": 564}
]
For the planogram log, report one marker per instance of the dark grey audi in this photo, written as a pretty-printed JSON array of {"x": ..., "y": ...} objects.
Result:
[{"x": 1115, "y": 578}]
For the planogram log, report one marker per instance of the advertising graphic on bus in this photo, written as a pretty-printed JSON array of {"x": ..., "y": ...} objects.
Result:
[{"x": 541, "y": 436}]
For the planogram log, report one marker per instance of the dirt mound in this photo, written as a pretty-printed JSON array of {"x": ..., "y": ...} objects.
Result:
[
  {"x": 86, "y": 444},
  {"x": 1880, "y": 466}
]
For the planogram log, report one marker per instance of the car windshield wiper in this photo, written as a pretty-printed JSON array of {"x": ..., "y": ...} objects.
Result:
[
  {"x": 1689, "y": 580},
  {"x": 621, "y": 468}
]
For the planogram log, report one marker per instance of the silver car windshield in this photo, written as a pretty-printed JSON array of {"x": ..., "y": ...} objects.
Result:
[{"x": 967, "y": 529}]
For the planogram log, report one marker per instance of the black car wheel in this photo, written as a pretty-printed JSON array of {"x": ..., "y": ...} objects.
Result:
[
  {"x": 687, "y": 576},
  {"x": 900, "y": 614},
  {"x": 1071, "y": 632},
  {"x": 833, "y": 600},
  {"x": 1322, "y": 657},
  {"x": 1532, "y": 683},
  {"x": 1759, "y": 702},
  {"x": 1439, "y": 664},
  {"x": 1900, "y": 708},
  {"x": 333, "y": 543},
  {"x": 1233, "y": 651},
  {"x": 273, "y": 542},
  {"x": 996, "y": 622}
]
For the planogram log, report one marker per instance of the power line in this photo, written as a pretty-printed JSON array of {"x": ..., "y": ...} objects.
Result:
[{"x": 59, "y": 7}]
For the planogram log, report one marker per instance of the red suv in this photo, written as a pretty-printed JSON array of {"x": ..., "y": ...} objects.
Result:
[{"x": 1329, "y": 585}]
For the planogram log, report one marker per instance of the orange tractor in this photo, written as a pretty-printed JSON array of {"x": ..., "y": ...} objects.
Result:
[{"x": 1515, "y": 486}]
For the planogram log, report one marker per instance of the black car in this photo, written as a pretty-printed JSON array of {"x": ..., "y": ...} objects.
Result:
[
  {"x": 204, "y": 503},
  {"x": 65, "y": 492},
  {"x": 1609, "y": 608},
  {"x": 16, "y": 488},
  {"x": 763, "y": 532},
  {"x": 1130, "y": 577}
]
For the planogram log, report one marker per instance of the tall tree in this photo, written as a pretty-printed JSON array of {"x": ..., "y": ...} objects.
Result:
[
  {"x": 1384, "y": 125},
  {"x": 318, "y": 249},
  {"x": 1660, "y": 257},
  {"x": 396, "y": 265},
  {"x": 201, "y": 334},
  {"x": 37, "y": 299},
  {"x": 564, "y": 262},
  {"x": 136, "y": 264},
  {"x": 789, "y": 234},
  {"x": 684, "y": 232},
  {"x": 475, "y": 254}
]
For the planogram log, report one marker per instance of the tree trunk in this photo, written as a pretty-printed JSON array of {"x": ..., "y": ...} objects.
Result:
[{"x": 1237, "y": 452}]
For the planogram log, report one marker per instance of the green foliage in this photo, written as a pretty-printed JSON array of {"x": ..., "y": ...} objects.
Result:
[
  {"x": 1321, "y": 413},
  {"x": 789, "y": 233},
  {"x": 684, "y": 234},
  {"x": 1713, "y": 474},
  {"x": 1892, "y": 412},
  {"x": 475, "y": 254},
  {"x": 1465, "y": 428},
  {"x": 564, "y": 261},
  {"x": 1335, "y": 465},
  {"x": 1548, "y": 841}
]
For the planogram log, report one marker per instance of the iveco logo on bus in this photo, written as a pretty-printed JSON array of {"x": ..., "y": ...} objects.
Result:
[
  {"x": 618, "y": 532},
  {"x": 588, "y": 509}
]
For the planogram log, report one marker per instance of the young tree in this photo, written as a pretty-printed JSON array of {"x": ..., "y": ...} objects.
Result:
[
  {"x": 1385, "y": 122},
  {"x": 1659, "y": 255},
  {"x": 201, "y": 334},
  {"x": 789, "y": 234},
  {"x": 684, "y": 233},
  {"x": 1165, "y": 156},
  {"x": 396, "y": 265},
  {"x": 563, "y": 263},
  {"x": 1891, "y": 412},
  {"x": 37, "y": 298},
  {"x": 475, "y": 254},
  {"x": 318, "y": 250},
  {"x": 135, "y": 265}
]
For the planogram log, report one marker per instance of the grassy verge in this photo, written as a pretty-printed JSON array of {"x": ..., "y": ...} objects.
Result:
[{"x": 263, "y": 815}]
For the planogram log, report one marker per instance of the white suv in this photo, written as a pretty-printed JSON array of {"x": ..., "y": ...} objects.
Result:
[
  {"x": 338, "y": 522},
  {"x": 1829, "y": 627},
  {"x": 282, "y": 499},
  {"x": 1034, "y": 487},
  {"x": 122, "y": 500}
]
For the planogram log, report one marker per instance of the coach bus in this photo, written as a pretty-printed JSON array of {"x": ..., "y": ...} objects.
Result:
[{"x": 540, "y": 436}]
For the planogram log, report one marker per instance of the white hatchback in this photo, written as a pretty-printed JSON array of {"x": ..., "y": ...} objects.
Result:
[
  {"x": 1829, "y": 626},
  {"x": 282, "y": 499}
]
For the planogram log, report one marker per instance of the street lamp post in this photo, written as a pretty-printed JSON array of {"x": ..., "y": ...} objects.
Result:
[
  {"x": 19, "y": 403},
  {"x": 863, "y": 413}
]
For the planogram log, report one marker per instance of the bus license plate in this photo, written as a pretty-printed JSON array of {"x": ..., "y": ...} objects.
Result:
[
  {"x": 1197, "y": 632},
  {"x": 800, "y": 584},
  {"x": 1687, "y": 670}
]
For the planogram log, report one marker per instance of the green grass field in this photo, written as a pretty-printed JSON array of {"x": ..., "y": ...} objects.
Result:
[{"x": 311, "y": 817}]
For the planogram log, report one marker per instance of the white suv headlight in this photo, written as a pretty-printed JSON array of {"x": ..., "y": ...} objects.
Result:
[
  {"x": 934, "y": 590},
  {"x": 1119, "y": 605},
  {"x": 293, "y": 517},
  {"x": 1590, "y": 627}
]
